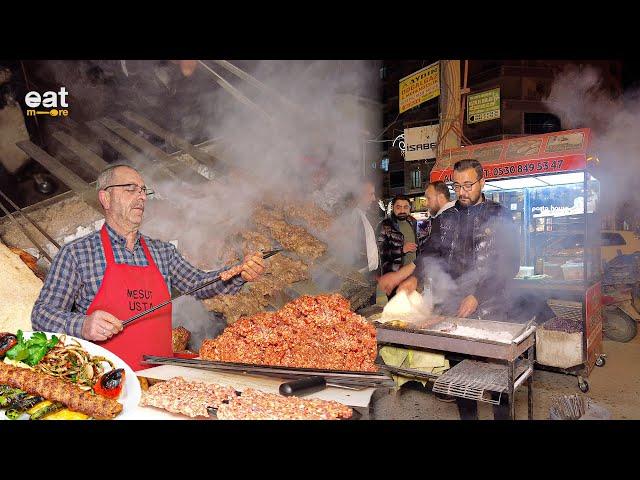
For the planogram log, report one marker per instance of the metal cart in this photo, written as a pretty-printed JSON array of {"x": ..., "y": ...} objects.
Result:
[
  {"x": 574, "y": 311},
  {"x": 547, "y": 182},
  {"x": 513, "y": 361}
]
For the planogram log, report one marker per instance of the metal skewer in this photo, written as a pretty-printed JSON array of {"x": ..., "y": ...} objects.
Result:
[
  {"x": 26, "y": 232},
  {"x": 18, "y": 210},
  {"x": 265, "y": 255}
]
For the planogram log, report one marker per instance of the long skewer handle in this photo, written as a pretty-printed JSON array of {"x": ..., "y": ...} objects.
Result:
[{"x": 268, "y": 254}]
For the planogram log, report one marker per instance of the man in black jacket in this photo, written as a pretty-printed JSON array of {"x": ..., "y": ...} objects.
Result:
[
  {"x": 398, "y": 245},
  {"x": 476, "y": 245},
  {"x": 471, "y": 254}
]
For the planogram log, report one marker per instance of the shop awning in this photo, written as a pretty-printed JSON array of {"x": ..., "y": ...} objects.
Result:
[{"x": 532, "y": 155}]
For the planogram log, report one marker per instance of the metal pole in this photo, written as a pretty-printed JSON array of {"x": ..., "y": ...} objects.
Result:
[
  {"x": 46, "y": 235},
  {"x": 235, "y": 92},
  {"x": 510, "y": 399},
  {"x": 258, "y": 84},
  {"x": 26, "y": 232},
  {"x": 530, "y": 382}
]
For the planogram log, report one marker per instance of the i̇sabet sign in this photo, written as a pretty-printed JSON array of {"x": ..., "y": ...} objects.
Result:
[{"x": 421, "y": 142}]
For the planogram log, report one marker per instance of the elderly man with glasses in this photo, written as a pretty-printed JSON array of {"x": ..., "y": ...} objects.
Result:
[
  {"x": 471, "y": 254},
  {"x": 99, "y": 280}
]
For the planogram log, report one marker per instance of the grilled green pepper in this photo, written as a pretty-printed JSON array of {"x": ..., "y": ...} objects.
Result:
[{"x": 46, "y": 409}]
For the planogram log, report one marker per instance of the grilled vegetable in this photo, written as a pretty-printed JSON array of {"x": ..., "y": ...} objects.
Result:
[
  {"x": 20, "y": 404},
  {"x": 13, "y": 414},
  {"x": 5, "y": 389},
  {"x": 66, "y": 414},
  {"x": 7, "y": 342},
  {"x": 7, "y": 400},
  {"x": 43, "y": 409},
  {"x": 110, "y": 384}
]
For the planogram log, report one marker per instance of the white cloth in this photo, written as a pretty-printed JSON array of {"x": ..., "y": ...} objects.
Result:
[
  {"x": 445, "y": 207},
  {"x": 370, "y": 237}
]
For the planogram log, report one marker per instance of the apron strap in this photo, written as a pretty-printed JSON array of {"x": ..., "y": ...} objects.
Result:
[
  {"x": 108, "y": 250},
  {"x": 106, "y": 245},
  {"x": 147, "y": 253}
]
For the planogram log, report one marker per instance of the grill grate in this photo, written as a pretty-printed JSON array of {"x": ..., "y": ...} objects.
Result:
[
  {"x": 566, "y": 309},
  {"x": 476, "y": 381}
]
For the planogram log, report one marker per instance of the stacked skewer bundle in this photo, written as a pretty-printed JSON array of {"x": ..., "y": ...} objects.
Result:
[{"x": 569, "y": 407}]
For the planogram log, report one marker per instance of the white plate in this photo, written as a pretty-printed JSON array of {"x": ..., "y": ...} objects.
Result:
[{"x": 131, "y": 391}]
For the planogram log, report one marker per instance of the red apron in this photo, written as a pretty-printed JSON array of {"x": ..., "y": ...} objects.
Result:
[{"x": 127, "y": 290}]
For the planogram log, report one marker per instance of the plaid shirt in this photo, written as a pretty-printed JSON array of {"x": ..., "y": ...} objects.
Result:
[{"x": 77, "y": 271}]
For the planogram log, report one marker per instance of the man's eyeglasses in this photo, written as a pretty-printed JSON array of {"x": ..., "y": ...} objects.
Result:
[
  {"x": 465, "y": 186},
  {"x": 132, "y": 188}
]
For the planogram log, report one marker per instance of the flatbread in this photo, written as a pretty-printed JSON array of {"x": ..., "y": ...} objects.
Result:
[{"x": 19, "y": 290}]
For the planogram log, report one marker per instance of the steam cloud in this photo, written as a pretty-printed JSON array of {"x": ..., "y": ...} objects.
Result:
[
  {"x": 578, "y": 99},
  {"x": 325, "y": 126}
]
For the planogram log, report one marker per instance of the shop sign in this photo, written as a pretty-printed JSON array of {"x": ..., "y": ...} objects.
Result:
[
  {"x": 421, "y": 142},
  {"x": 483, "y": 106},
  {"x": 419, "y": 87}
]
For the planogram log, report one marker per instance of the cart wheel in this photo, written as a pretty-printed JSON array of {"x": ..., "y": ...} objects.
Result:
[
  {"x": 618, "y": 326},
  {"x": 600, "y": 361},
  {"x": 583, "y": 385}
]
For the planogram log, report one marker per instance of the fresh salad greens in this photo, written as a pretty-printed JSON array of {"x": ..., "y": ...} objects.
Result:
[{"x": 32, "y": 350}]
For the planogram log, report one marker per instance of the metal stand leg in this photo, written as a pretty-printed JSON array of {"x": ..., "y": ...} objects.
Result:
[
  {"x": 511, "y": 402},
  {"x": 530, "y": 382},
  {"x": 530, "y": 395}
]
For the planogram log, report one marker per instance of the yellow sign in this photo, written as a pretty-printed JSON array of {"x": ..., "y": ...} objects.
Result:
[
  {"x": 483, "y": 106},
  {"x": 419, "y": 87}
]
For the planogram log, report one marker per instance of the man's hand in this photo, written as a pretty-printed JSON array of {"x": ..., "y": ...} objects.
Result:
[
  {"x": 100, "y": 326},
  {"x": 409, "y": 285},
  {"x": 388, "y": 282},
  {"x": 409, "y": 247},
  {"x": 468, "y": 306},
  {"x": 252, "y": 267}
]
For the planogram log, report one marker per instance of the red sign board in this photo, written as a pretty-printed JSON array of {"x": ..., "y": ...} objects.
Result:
[{"x": 523, "y": 156}]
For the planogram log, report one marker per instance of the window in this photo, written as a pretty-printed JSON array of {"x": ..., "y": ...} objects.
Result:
[
  {"x": 416, "y": 180},
  {"x": 610, "y": 239},
  {"x": 537, "y": 123},
  {"x": 396, "y": 179}
]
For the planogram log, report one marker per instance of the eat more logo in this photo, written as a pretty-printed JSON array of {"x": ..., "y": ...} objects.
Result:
[{"x": 57, "y": 101}]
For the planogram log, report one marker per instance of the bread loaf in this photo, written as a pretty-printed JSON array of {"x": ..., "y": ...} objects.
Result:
[{"x": 19, "y": 289}]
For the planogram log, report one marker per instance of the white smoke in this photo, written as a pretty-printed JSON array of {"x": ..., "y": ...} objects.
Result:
[
  {"x": 578, "y": 98},
  {"x": 311, "y": 151}
]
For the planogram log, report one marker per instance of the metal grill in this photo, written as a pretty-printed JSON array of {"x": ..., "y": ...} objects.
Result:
[
  {"x": 566, "y": 309},
  {"x": 476, "y": 381}
]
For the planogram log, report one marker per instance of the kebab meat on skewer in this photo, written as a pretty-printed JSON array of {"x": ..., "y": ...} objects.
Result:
[{"x": 57, "y": 390}]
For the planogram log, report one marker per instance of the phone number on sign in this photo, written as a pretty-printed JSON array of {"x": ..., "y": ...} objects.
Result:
[
  {"x": 532, "y": 167},
  {"x": 519, "y": 169}
]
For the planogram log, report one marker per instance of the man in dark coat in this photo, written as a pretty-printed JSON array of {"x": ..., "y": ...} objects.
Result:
[
  {"x": 398, "y": 245},
  {"x": 470, "y": 256}
]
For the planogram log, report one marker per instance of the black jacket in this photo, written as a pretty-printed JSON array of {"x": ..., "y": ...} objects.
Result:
[
  {"x": 391, "y": 242},
  {"x": 471, "y": 251}
]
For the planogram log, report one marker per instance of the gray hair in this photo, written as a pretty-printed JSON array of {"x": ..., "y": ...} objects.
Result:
[{"x": 106, "y": 176}]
